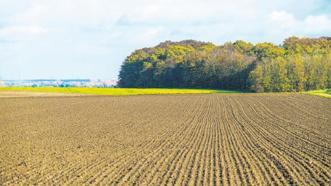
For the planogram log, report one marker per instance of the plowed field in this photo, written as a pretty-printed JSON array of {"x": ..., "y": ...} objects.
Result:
[{"x": 233, "y": 139}]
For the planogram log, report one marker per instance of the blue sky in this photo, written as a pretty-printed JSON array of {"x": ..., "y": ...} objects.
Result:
[{"x": 91, "y": 38}]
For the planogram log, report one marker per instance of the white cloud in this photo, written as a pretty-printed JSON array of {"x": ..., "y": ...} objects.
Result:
[
  {"x": 283, "y": 18},
  {"x": 286, "y": 24},
  {"x": 228, "y": 19},
  {"x": 32, "y": 14},
  {"x": 101, "y": 33},
  {"x": 21, "y": 33},
  {"x": 320, "y": 23},
  {"x": 14, "y": 30}
]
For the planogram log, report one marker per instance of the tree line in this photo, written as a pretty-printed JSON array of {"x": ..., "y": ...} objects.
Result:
[{"x": 296, "y": 65}]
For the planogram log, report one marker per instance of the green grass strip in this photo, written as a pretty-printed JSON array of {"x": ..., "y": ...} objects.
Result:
[
  {"x": 322, "y": 93},
  {"x": 114, "y": 91}
]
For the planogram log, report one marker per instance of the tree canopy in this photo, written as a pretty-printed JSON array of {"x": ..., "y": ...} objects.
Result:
[{"x": 298, "y": 64}]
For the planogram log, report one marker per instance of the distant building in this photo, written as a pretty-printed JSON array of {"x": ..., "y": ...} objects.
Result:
[{"x": 61, "y": 83}]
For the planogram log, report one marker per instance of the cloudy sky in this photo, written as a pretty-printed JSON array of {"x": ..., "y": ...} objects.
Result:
[{"x": 91, "y": 38}]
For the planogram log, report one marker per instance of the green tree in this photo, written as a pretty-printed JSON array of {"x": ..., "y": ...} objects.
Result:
[{"x": 299, "y": 64}]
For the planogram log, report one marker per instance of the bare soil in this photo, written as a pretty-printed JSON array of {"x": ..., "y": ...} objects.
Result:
[{"x": 216, "y": 139}]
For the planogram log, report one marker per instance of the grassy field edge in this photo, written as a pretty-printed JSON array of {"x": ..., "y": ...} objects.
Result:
[
  {"x": 114, "y": 91},
  {"x": 326, "y": 93}
]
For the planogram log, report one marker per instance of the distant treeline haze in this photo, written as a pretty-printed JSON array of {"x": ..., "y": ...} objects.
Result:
[{"x": 296, "y": 65}]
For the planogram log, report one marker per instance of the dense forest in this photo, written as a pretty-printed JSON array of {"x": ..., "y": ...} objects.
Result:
[{"x": 296, "y": 65}]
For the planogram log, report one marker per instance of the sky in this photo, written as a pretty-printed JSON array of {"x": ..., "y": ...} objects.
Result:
[{"x": 65, "y": 39}]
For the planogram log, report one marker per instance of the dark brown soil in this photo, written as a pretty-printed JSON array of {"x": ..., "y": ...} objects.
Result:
[{"x": 217, "y": 139}]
